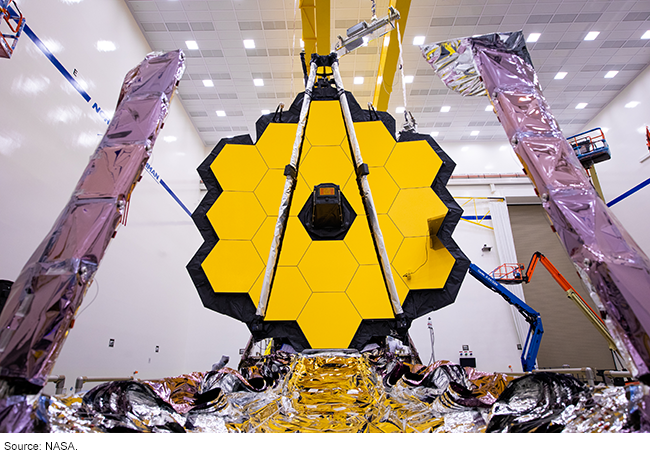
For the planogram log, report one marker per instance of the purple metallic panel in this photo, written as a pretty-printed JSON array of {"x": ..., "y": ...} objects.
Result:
[
  {"x": 51, "y": 286},
  {"x": 609, "y": 261}
]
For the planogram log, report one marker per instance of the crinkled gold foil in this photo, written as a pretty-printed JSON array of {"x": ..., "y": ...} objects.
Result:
[{"x": 336, "y": 392}]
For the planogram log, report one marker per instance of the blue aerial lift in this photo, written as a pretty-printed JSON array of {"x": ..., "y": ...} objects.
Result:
[
  {"x": 534, "y": 319},
  {"x": 590, "y": 147}
]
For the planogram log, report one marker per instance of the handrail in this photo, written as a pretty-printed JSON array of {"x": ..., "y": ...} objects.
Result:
[
  {"x": 59, "y": 381},
  {"x": 608, "y": 374},
  {"x": 589, "y": 372},
  {"x": 79, "y": 383}
]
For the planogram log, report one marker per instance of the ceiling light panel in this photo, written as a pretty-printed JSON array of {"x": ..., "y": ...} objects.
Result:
[
  {"x": 418, "y": 40},
  {"x": 533, "y": 37},
  {"x": 277, "y": 52}
]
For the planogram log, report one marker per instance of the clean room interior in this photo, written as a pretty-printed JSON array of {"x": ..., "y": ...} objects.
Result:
[{"x": 142, "y": 315}]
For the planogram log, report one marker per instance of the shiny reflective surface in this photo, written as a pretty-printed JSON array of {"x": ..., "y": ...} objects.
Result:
[
  {"x": 611, "y": 264},
  {"x": 45, "y": 297},
  {"x": 346, "y": 392},
  {"x": 613, "y": 267},
  {"x": 454, "y": 63}
]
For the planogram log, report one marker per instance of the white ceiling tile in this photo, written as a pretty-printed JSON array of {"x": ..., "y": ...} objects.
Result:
[
  {"x": 165, "y": 5},
  {"x": 142, "y": 6},
  {"x": 148, "y": 16},
  {"x": 195, "y": 5},
  {"x": 249, "y": 15},
  {"x": 552, "y": 15}
]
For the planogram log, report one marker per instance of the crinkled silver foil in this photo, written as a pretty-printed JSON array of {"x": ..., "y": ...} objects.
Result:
[
  {"x": 343, "y": 392},
  {"x": 51, "y": 286},
  {"x": 608, "y": 414},
  {"x": 453, "y": 62}
]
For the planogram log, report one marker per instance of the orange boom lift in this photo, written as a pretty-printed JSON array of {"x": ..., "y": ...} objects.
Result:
[{"x": 514, "y": 273}]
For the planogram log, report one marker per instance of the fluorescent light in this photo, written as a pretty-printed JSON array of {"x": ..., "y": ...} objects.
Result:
[
  {"x": 105, "y": 46},
  {"x": 191, "y": 45},
  {"x": 581, "y": 105},
  {"x": 408, "y": 79},
  {"x": 591, "y": 36},
  {"x": 533, "y": 37},
  {"x": 489, "y": 108},
  {"x": 632, "y": 104},
  {"x": 358, "y": 79},
  {"x": 249, "y": 44},
  {"x": 208, "y": 83},
  {"x": 221, "y": 113},
  {"x": 418, "y": 40},
  {"x": 445, "y": 108},
  {"x": 434, "y": 133},
  {"x": 258, "y": 82},
  {"x": 365, "y": 41},
  {"x": 169, "y": 138},
  {"x": 611, "y": 74},
  {"x": 266, "y": 111},
  {"x": 399, "y": 109},
  {"x": 646, "y": 35},
  {"x": 474, "y": 133},
  {"x": 560, "y": 75}
]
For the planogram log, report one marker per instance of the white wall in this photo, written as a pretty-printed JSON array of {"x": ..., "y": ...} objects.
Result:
[
  {"x": 479, "y": 318},
  {"x": 625, "y": 132},
  {"x": 481, "y": 157},
  {"x": 142, "y": 295}
]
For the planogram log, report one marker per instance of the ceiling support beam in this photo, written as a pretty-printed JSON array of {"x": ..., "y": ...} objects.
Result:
[
  {"x": 389, "y": 58},
  {"x": 323, "y": 44},
  {"x": 308, "y": 17},
  {"x": 316, "y": 26}
]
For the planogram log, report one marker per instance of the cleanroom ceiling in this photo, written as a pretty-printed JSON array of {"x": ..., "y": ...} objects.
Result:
[{"x": 249, "y": 81}]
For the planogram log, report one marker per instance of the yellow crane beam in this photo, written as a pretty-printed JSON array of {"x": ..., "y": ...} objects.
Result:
[
  {"x": 316, "y": 27},
  {"x": 389, "y": 58},
  {"x": 323, "y": 44},
  {"x": 308, "y": 16}
]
